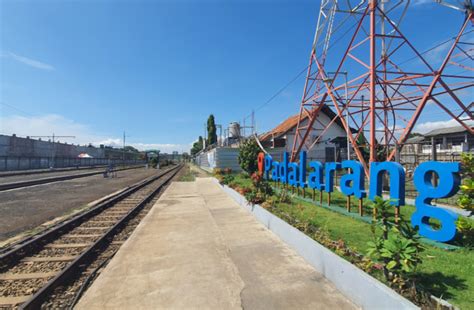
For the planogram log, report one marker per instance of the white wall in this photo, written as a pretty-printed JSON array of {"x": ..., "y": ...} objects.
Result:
[{"x": 221, "y": 157}]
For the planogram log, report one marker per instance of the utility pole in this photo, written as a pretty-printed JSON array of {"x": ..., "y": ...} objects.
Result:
[
  {"x": 53, "y": 150},
  {"x": 347, "y": 117},
  {"x": 205, "y": 137},
  {"x": 123, "y": 148},
  {"x": 253, "y": 122}
]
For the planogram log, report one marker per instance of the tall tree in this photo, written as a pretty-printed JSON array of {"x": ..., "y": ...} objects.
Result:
[{"x": 211, "y": 130}]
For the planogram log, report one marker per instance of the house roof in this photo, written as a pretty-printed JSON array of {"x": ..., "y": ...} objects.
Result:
[
  {"x": 292, "y": 121},
  {"x": 282, "y": 128},
  {"x": 446, "y": 130}
]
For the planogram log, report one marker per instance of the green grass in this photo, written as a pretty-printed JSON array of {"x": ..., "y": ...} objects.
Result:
[{"x": 448, "y": 274}]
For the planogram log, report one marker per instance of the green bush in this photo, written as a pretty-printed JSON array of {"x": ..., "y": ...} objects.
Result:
[
  {"x": 248, "y": 153},
  {"x": 466, "y": 199},
  {"x": 395, "y": 246},
  {"x": 228, "y": 179}
]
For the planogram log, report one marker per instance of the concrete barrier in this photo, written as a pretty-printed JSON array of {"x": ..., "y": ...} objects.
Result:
[{"x": 361, "y": 288}]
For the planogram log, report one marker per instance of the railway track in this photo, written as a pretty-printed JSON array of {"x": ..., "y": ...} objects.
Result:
[
  {"x": 21, "y": 184},
  {"x": 31, "y": 271}
]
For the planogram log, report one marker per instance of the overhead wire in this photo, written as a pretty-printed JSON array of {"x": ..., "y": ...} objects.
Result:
[
  {"x": 335, "y": 42},
  {"x": 278, "y": 92}
]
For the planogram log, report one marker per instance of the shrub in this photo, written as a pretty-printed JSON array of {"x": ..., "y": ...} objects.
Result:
[
  {"x": 253, "y": 197},
  {"x": 248, "y": 153},
  {"x": 262, "y": 186},
  {"x": 242, "y": 190},
  {"x": 466, "y": 232},
  {"x": 269, "y": 202},
  {"x": 284, "y": 196},
  {"x": 397, "y": 247},
  {"x": 466, "y": 199},
  {"x": 227, "y": 179}
]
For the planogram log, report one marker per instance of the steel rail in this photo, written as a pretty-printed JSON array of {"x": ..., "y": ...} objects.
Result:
[
  {"x": 18, "y": 252},
  {"x": 21, "y": 184}
]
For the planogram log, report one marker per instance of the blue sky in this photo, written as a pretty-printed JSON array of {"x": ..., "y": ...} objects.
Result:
[{"x": 157, "y": 69}]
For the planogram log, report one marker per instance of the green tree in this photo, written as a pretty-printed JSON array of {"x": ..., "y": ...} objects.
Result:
[
  {"x": 129, "y": 148},
  {"x": 197, "y": 146},
  {"x": 248, "y": 153},
  {"x": 211, "y": 130}
]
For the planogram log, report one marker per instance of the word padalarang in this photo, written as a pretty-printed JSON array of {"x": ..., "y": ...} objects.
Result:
[{"x": 321, "y": 177}]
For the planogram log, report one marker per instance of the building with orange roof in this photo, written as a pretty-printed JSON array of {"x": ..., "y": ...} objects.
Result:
[{"x": 332, "y": 146}]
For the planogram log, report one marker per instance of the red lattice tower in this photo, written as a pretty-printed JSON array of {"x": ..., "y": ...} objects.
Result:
[{"x": 381, "y": 83}]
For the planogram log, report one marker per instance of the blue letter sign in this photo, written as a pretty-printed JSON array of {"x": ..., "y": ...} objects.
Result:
[
  {"x": 352, "y": 184},
  {"x": 397, "y": 181},
  {"x": 448, "y": 176}
]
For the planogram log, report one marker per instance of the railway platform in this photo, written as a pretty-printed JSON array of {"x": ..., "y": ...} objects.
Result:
[{"x": 197, "y": 248}]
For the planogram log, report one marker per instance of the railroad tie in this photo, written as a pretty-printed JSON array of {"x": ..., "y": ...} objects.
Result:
[
  {"x": 84, "y": 236},
  {"x": 93, "y": 228},
  {"x": 26, "y": 276},
  {"x": 48, "y": 259},
  {"x": 67, "y": 245},
  {"x": 103, "y": 221},
  {"x": 116, "y": 213},
  {"x": 104, "y": 217},
  {"x": 13, "y": 300},
  {"x": 121, "y": 211}
]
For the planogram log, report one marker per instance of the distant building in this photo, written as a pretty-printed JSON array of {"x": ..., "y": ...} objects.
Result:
[
  {"x": 332, "y": 146},
  {"x": 446, "y": 140}
]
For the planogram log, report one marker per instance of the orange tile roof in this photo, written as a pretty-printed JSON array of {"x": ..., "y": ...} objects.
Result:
[
  {"x": 292, "y": 121},
  {"x": 282, "y": 128}
]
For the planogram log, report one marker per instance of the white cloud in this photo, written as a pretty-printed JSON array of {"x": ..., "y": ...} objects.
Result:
[
  {"x": 163, "y": 147},
  {"x": 28, "y": 61},
  {"x": 421, "y": 2},
  {"x": 46, "y": 125},
  {"x": 428, "y": 126}
]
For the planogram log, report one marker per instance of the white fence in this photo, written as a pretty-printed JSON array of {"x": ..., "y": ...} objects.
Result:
[{"x": 221, "y": 157}]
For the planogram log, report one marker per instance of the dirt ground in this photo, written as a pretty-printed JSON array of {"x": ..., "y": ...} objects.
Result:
[
  {"x": 24, "y": 209},
  {"x": 37, "y": 176},
  {"x": 198, "y": 172}
]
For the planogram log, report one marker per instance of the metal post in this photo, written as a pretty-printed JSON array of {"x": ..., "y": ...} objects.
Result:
[
  {"x": 347, "y": 118},
  {"x": 372, "y": 76}
]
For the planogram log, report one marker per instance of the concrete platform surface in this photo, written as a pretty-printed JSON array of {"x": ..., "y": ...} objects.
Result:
[{"x": 198, "y": 249}]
